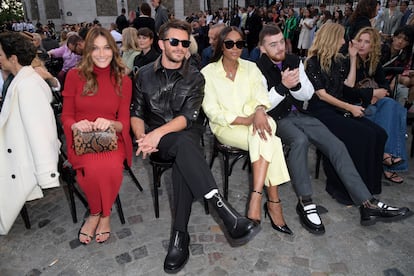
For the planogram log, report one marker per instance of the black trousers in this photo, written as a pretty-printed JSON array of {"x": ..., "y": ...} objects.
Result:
[
  {"x": 365, "y": 142},
  {"x": 191, "y": 175}
]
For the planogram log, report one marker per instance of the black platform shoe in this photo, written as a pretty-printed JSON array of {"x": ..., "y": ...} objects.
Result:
[
  {"x": 304, "y": 213},
  {"x": 376, "y": 210},
  {"x": 178, "y": 252},
  {"x": 284, "y": 228},
  {"x": 240, "y": 228}
]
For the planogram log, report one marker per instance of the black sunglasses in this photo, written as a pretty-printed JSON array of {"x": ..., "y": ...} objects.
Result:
[
  {"x": 174, "y": 42},
  {"x": 230, "y": 44}
]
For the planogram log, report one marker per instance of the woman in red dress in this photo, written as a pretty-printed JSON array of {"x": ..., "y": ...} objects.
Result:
[{"x": 97, "y": 95}]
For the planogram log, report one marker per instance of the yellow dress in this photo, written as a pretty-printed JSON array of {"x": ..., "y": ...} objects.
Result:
[{"x": 225, "y": 100}]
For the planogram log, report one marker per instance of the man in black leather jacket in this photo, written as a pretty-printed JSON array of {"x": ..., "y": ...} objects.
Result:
[
  {"x": 167, "y": 98},
  {"x": 289, "y": 89}
]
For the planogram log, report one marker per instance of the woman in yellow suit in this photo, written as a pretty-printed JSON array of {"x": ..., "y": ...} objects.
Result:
[{"x": 235, "y": 103}]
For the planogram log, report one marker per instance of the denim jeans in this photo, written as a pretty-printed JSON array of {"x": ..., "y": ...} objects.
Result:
[{"x": 392, "y": 117}]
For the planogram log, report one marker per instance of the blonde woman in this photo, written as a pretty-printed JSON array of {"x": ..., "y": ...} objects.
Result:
[
  {"x": 382, "y": 110},
  {"x": 130, "y": 48},
  {"x": 333, "y": 77}
]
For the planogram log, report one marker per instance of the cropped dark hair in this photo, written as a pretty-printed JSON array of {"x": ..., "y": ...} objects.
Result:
[
  {"x": 174, "y": 24},
  {"x": 145, "y": 9},
  {"x": 144, "y": 31},
  {"x": 19, "y": 45},
  {"x": 268, "y": 30},
  {"x": 218, "y": 51}
]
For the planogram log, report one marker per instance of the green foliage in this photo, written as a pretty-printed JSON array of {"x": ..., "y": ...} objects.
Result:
[{"x": 10, "y": 10}]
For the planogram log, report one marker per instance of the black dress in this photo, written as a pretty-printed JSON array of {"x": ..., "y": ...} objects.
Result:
[{"x": 364, "y": 139}]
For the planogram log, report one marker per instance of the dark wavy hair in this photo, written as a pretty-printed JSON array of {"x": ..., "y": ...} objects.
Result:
[
  {"x": 367, "y": 8},
  {"x": 19, "y": 45},
  {"x": 86, "y": 66},
  {"x": 218, "y": 51}
]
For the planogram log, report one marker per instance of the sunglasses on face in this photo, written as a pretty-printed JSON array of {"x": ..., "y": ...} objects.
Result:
[
  {"x": 229, "y": 44},
  {"x": 174, "y": 42}
]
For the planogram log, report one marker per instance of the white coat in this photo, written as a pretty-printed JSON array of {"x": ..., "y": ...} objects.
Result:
[{"x": 29, "y": 147}]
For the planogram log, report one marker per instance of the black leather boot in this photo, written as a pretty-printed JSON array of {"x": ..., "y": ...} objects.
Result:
[
  {"x": 375, "y": 210},
  {"x": 240, "y": 228},
  {"x": 178, "y": 252}
]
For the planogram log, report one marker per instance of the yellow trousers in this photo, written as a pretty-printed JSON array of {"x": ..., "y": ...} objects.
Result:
[{"x": 242, "y": 137}]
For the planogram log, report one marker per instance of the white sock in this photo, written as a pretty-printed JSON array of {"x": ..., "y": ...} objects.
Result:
[{"x": 211, "y": 193}]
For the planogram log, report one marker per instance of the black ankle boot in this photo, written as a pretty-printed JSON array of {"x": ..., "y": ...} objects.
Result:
[
  {"x": 240, "y": 228},
  {"x": 375, "y": 210},
  {"x": 178, "y": 252}
]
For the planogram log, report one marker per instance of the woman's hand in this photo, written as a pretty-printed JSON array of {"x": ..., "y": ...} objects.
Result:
[
  {"x": 83, "y": 125},
  {"x": 101, "y": 124},
  {"x": 261, "y": 124},
  {"x": 353, "y": 48},
  {"x": 356, "y": 110}
]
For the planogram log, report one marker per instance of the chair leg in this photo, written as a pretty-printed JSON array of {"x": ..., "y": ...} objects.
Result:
[
  {"x": 206, "y": 207},
  {"x": 119, "y": 209},
  {"x": 134, "y": 178},
  {"x": 156, "y": 178},
  {"x": 318, "y": 163},
  {"x": 25, "y": 217},
  {"x": 71, "y": 191},
  {"x": 213, "y": 155},
  {"x": 226, "y": 160}
]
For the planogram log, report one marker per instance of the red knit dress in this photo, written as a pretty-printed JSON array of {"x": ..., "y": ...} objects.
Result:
[{"x": 99, "y": 174}]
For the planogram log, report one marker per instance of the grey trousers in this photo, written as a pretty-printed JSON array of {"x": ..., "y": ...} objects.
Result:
[{"x": 297, "y": 131}]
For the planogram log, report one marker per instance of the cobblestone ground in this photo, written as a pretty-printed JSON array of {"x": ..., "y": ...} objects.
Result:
[{"x": 138, "y": 247}]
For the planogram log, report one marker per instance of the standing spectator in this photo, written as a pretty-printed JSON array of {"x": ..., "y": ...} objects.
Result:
[
  {"x": 364, "y": 12},
  {"x": 144, "y": 19},
  {"x": 161, "y": 14},
  {"x": 97, "y": 97},
  {"x": 392, "y": 19},
  {"x": 243, "y": 18},
  {"x": 289, "y": 30},
  {"x": 28, "y": 135},
  {"x": 113, "y": 29},
  {"x": 121, "y": 21},
  {"x": 406, "y": 12},
  {"x": 252, "y": 27},
  {"x": 338, "y": 17},
  {"x": 306, "y": 25}
]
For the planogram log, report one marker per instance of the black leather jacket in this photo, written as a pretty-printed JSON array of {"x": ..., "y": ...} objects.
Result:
[{"x": 159, "y": 97}]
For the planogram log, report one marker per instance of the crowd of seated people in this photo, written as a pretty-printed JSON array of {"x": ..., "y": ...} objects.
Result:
[{"x": 275, "y": 93}]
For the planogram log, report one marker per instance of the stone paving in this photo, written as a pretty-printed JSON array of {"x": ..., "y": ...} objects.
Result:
[{"x": 139, "y": 246}]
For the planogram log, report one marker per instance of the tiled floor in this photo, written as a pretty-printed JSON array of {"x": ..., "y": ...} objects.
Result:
[{"x": 138, "y": 247}]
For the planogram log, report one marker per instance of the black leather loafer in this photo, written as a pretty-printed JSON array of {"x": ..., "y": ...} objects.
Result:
[
  {"x": 178, "y": 252},
  {"x": 304, "y": 213},
  {"x": 379, "y": 211}
]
